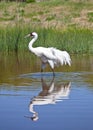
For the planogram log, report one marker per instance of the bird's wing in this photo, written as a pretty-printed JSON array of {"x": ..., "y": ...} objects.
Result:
[
  {"x": 62, "y": 57},
  {"x": 44, "y": 52},
  {"x": 48, "y": 54}
]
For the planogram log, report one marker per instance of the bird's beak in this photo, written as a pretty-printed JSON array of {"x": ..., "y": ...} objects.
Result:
[{"x": 27, "y": 36}]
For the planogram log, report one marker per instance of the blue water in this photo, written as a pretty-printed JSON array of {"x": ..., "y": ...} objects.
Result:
[{"x": 72, "y": 110}]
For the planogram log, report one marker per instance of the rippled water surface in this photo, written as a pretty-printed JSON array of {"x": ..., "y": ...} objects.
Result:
[{"x": 29, "y": 100}]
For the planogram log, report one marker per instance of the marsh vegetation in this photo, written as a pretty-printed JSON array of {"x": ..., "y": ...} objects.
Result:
[
  {"x": 72, "y": 39},
  {"x": 66, "y": 25}
]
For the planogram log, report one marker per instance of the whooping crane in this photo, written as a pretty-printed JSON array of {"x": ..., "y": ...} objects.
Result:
[{"x": 52, "y": 56}]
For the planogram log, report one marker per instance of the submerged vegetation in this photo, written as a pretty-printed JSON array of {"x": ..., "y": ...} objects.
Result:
[{"x": 64, "y": 24}]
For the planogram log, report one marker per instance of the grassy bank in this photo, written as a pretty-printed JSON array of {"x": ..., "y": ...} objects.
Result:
[
  {"x": 49, "y": 13},
  {"x": 73, "y": 40},
  {"x": 64, "y": 24}
]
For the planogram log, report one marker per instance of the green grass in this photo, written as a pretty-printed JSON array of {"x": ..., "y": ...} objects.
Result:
[
  {"x": 74, "y": 40},
  {"x": 90, "y": 16},
  {"x": 64, "y": 12},
  {"x": 58, "y": 23},
  {"x": 78, "y": 41}
]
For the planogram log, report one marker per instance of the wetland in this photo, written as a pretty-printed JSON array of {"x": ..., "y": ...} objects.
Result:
[{"x": 31, "y": 101}]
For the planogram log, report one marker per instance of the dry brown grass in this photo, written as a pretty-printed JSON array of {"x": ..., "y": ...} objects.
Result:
[{"x": 73, "y": 13}]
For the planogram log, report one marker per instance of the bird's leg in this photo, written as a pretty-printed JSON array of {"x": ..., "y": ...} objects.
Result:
[
  {"x": 51, "y": 63},
  {"x": 41, "y": 72},
  {"x": 42, "y": 67}
]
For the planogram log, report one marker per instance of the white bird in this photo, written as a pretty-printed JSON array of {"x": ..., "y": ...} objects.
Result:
[{"x": 50, "y": 55}]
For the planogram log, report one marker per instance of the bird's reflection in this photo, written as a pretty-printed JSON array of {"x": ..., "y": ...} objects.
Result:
[{"x": 50, "y": 94}]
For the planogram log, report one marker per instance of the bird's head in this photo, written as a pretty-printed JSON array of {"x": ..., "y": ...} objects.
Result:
[{"x": 33, "y": 34}]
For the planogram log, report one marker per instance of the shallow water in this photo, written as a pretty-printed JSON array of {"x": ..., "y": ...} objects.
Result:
[{"x": 31, "y": 101}]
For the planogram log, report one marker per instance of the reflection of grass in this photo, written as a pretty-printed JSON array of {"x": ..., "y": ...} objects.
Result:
[{"x": 73, "y": 40}]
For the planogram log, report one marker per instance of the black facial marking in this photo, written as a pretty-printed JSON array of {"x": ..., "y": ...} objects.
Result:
[{"x": 31, "y": 34}]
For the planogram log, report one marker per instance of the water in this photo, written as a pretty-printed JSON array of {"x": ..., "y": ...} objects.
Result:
[{"x": 31, "y": 101}]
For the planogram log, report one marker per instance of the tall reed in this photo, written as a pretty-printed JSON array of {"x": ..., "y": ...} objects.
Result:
[{"x": 73, "y": 40}]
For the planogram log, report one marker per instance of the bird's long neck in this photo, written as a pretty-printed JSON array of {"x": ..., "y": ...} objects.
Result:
[{"x": 31, "y": 43}]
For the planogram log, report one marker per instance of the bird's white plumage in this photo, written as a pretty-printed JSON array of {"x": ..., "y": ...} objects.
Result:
[
  {"x": 62, "y": 57},
  {"x": 49, "y": 55}
]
